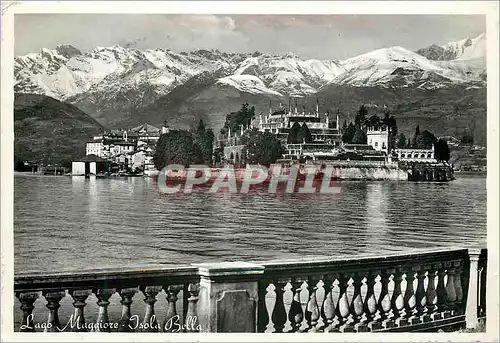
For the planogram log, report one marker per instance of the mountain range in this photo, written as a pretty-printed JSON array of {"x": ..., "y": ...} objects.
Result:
[{"x": 120, "y": 87}]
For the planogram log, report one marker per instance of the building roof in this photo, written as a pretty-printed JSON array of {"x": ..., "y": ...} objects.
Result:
[
  {"x": 91, "y": 158},
  {"x": 123, "y": 143},
  {"x": 146, "y": 128},
  {"x": 95, "y": 141}
]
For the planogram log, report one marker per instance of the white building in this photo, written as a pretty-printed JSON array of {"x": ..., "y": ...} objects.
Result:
[
  {"x": 415, "y": 155},
  {"x": 94, "y": 147},
  {"x": 378, "y": 138}
]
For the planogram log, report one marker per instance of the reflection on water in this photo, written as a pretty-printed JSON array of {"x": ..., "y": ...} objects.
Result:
[{"x": 64, "y": 223}]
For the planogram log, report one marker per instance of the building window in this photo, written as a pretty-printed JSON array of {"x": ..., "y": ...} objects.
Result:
[{"x": 376, "y": 144}]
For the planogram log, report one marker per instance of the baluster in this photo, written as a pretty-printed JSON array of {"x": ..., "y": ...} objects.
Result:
[
  {"x": 356, "y": 307},
  {"x": 279, "y": 313},
  {"x": 192, "y": 310},
  {"x": 80, "y": 296},
  {"x": 420, "y": 297},
  {"x": 328, "y": 307},
  {"x": 410, "y": 299},
  {"x": 53, "y": 298},
  {"x": 403, "y": 319},
  {"x": 263, "y": 315},
  {"x": 442, "y": 297},
  {"x": 27, "y": 300},
  {"x": 460, "y": 306},
  {"x": 312, "y": 308},
  {"x": 450, "y": 288},
  {"x": 431, "y": 295},
  {"x": 482, "y": 288},
  {"x": 384, "y": 300},
  {"x": 103, "y": 302},
  {"x": 125, "y": 324},
  {"x": 171, "y": 316},
  {"x": 296, "y": 315},
  {"x": 343, "y": 306},
  {"x": 150, "y": 324},
  {"x": 397, "y": 303},
  {"x": 370, "y": 303}
]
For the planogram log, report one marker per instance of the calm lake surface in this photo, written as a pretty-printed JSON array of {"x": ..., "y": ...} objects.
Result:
[{"x": 72, "y": 223}]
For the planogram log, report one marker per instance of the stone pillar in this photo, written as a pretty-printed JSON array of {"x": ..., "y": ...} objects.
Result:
[
  {"x": 228, "y": 296},
  {"x": 472, "y": 294}
]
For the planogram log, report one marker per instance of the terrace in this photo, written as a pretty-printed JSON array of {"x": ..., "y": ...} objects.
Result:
[{"x": 404, "y": 292}]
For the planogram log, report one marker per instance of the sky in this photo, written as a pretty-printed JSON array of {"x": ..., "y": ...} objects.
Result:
[{"x": 329, "y": 37}]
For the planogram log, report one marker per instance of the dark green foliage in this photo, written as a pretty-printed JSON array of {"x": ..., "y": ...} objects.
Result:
[
  {"x": 204, "y": 138},
  {"x": 373, "y": 121},
  {"x": 424, "y": 140},
  {"x": 467, "y": 139},
  {"x": 293, "y": 133},
  {"x": 177, "y": 147},
  {"x": 402, "y": 141},
  {"x": 304, "y": 134},
  {"x": 359, "y": 136},
  {"x": 20, "y": 166},
  {"x": 348, "y": 133},
  {"x": 243, "y": 117},
  {"x": 441, "y": 150},
  {"x": 261, "y": 147},
  {"x": 417, "y": 133},
  {"x": 50, "y": 131},
  {"x": 360, "y": 119}
]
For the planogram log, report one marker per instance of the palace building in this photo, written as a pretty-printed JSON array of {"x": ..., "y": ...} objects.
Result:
[{"x": 323, "y": 129}]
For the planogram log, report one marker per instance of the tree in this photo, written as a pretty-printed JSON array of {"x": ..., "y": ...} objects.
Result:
[
  {"x": 348, "y": 133},
  {"x": 361, "y": 116},
  {"x": 234, "y": 120},
  {"x": 417, "y": 133},
  {"x": 304, "y": 134},
  {"x": 293, "y": 133},
  {"x": 373, "y": 121},
  {"x": 467, "y": 139},
  {"x": 402, "y": 141},
  {"x": 261, "y": 147},
  {"x": 177, "y": 147},
  {"x": 204, "y": 138},
  {"x": 359, "y": 136},
  {"x": 441, "y": 150}
]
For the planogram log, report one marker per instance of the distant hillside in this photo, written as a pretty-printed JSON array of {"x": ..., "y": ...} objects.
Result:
[
  {"x": 49, "y": 130},
  {"x": 445, "y": 112}
]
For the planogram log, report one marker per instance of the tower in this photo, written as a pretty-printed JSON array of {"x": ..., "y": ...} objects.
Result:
[{"x": 317, "y": 107}]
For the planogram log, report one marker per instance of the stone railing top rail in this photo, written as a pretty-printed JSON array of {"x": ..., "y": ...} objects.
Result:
[
  {"x": 186, "y": 273},
  {"x": 110, "y": 278}
]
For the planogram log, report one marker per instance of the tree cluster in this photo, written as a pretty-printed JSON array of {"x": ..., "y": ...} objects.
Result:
[
  {"x": 261, "y": 148},
  {"x": 355, "y": 133},
  {"x": 425, "y": 140},
  {"x": 184, "y": 147},
  {"x": 299, "y": 134},
  {"x": 234, "y": 120}
]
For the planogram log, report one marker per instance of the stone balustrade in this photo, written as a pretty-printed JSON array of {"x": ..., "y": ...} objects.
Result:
[{"x": 414, "y": 291}]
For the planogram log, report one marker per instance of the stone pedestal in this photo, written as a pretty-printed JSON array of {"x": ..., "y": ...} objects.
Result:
[
  {"x": 228, "y": 296},
  {"x": 471, "y": 319}
]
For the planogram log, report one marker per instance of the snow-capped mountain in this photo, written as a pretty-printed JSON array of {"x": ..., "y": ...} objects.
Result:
[
  {"x": 65, "y": 71},
  {"x": 397, "y": 66},
  {"x": 465, "y": 49},
  {"x": 468, "y": 48},
  {"x": 113, "y": 83}
]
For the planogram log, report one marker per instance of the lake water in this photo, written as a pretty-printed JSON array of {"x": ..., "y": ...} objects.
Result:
[{"x": 72, "y": 223}]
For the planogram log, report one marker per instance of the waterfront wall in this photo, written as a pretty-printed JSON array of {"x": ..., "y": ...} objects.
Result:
[
  {"x": 369, "y": 173},
  {"x": 421, "y": 290}
]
